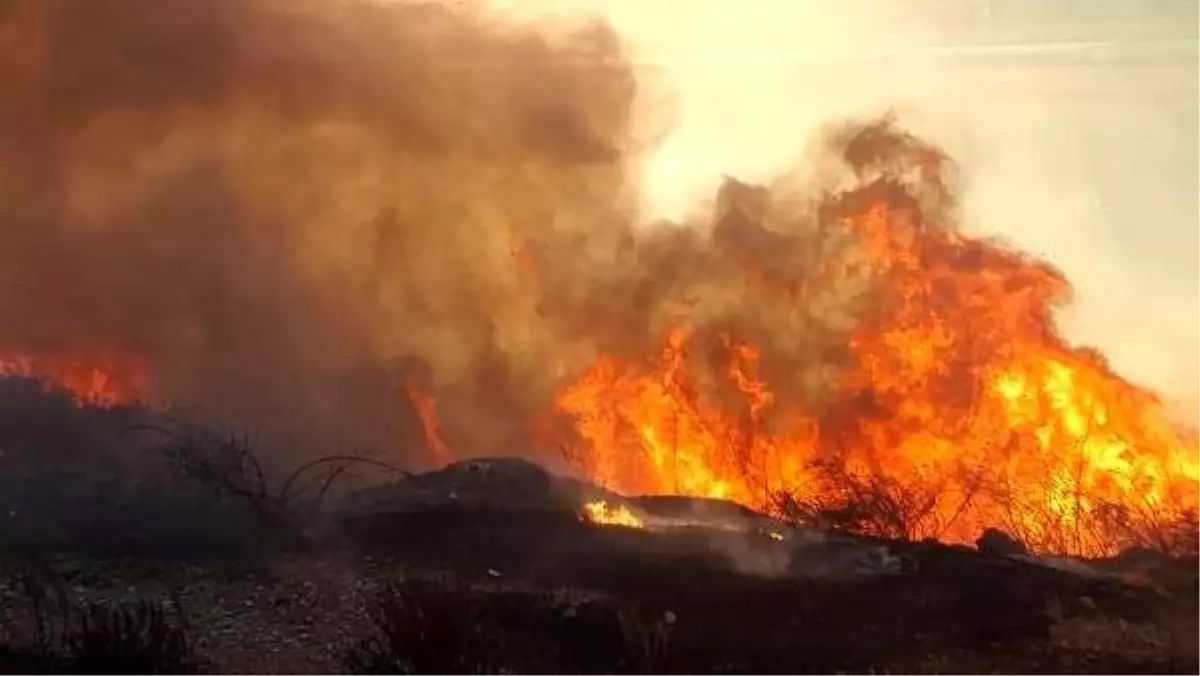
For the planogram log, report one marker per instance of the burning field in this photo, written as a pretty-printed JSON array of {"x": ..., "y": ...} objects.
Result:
[
  {"x": 201, "y": 229},
  {"x": 417, "y": 230}
]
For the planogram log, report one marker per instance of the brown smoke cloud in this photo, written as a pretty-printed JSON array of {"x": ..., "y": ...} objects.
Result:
[
  {"x": 275, "y": 203},
  {"x": 289, "y": 208}
]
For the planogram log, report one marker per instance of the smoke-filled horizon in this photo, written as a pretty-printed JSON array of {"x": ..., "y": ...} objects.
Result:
[
  {"x": 274, "y": 204},
  {"x": 292, "y": 212},
  {"x": 1074, "y": 125}
]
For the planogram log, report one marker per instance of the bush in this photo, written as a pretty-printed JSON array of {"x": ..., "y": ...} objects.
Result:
[
  {"x": 228, "y": 464},
  {"x": 869, "y": 504},
  {"x": 132, "y": 639},
  {"x": 74, "y": 479},
  {"x": 130, "y": 480},
  {"x": 440, "y": 626},
  {"x": 144, "y": 637},
  {"x": 423, "y": 628}
]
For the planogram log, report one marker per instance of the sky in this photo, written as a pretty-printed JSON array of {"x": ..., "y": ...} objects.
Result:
[{"x": 1074, "y": 124}]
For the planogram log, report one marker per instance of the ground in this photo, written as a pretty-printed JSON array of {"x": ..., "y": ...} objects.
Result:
[
  {"x": 553, "y": 585},
  {"x": 487, "y": 567}
]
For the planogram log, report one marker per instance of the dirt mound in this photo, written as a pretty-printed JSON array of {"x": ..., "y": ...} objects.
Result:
[{"x": 477, "y": 484}]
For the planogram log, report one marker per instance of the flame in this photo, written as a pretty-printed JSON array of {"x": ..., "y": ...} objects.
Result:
[
  {"x": 431, "y": 428},
  {"x": 103, "y": 381},
  {"x": 601, "y": 513},
  {"x": 961, "y": 409}
]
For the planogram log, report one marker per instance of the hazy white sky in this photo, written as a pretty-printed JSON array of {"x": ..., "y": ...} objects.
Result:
[{"x": 1075, "y": 123}]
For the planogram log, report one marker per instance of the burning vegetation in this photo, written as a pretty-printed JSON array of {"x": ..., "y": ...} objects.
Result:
[
  {"x": 957, "y": 405},
  {"x": 600, "y": 512},
  {"x": 279, "y": 208},
  {"x": 101, "y": 382}
]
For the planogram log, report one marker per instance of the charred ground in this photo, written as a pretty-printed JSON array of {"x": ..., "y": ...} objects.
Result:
[{"x": 486, "y": 566}]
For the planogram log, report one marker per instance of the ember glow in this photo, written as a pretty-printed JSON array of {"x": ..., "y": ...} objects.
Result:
[
  {"x": 103, "y": 382},
  {"x": 600, "y": 512}
]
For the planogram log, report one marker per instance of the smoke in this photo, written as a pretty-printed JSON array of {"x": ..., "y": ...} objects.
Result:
[
  {"x": 276, "y": 205},
  {"x": 294, "y": 211},
  {"x": 1075, "y": 126},
  {"x": 301, "y": 214}
]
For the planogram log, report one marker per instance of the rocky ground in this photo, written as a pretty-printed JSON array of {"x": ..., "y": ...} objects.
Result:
[{"x": 709, "y": 588}]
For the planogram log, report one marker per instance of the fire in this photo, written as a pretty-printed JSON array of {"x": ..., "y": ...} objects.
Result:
[
  {"x": 431, "y": 429},
  {"x": 960, "y": 407},
  {"x": 104, "y": 381},
  {"x": 601, "y": 513}
]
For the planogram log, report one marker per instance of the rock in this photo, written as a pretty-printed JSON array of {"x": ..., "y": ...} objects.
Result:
[
  {"x": 1063, "y": 563},
  {"x": 995, "y": 542},
  {"x": 479, "y": 483},
  {"x": 1143, "y": 557}
]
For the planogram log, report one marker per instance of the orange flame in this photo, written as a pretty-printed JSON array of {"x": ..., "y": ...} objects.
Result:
[
  {"x": 961, "y": 409},
  {"x": 431, "y": 428},
  {"x": 100, "y": 381},
  {"x": 601, "y": 513}
]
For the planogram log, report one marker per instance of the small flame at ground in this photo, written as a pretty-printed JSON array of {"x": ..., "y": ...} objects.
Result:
[{"x": 600, "y": 512}]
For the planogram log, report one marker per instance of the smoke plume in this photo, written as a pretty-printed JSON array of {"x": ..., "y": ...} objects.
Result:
[
  {"x": 278, "y": 207},
  {"x": 326, "y": 217}
]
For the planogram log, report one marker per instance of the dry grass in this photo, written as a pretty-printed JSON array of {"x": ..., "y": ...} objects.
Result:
[
  {"x": 440, "y": 625},
  {"x": 871, "y": 504},
  {"x": 141, "y": 637},
  {"x": 228, "y": 464}
]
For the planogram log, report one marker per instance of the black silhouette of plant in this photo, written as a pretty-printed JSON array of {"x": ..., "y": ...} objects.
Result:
[{"x": 423, "y": 627}]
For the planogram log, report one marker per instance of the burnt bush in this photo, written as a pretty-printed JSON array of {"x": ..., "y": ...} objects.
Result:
[
  {"x": 442, "y": 626},
  {"x": 134, "y": 638},
  {"x": 1174, "y": 532},
  {"x": 74, "y": 478},
  {"x": 424, "y": 628},
  {"x": 131, "y": 480},
  {"x": 142, "y": 637},
  {"x": 228, "y": 464},
  {"x": 872, "y": 504}
]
